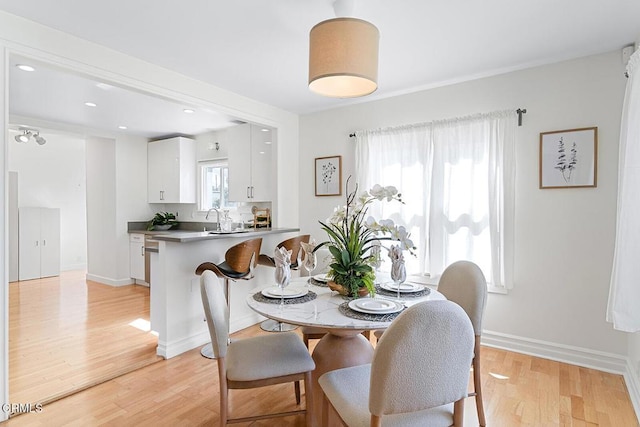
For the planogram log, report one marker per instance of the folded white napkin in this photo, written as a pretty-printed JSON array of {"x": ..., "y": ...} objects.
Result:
[{"x": 282, "y": 259}]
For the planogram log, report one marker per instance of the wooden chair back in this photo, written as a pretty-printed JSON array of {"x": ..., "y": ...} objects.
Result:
[{"x": 243, "y": 257}]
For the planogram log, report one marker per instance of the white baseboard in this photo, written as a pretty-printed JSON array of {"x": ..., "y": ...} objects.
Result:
[
  {"x": 600, "y": 360},
  {"x": 175, "y": 348},
  {"x": 632, "y": 380},
  {"x": 109, "y": 281}
]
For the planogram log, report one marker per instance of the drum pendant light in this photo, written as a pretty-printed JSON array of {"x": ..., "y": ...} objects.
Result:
[{"x": 343, "y": 58}]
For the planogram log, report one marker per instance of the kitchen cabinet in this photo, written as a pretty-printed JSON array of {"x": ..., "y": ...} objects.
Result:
[
  {"x": 136, "y": 256},
  {"x": 251, "y": 175},
  {"x": 38, "y": 242},
  {"x": 171, "y": 171}
]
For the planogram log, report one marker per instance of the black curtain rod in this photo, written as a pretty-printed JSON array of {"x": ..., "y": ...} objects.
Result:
[{"x": 519, "y": 112}]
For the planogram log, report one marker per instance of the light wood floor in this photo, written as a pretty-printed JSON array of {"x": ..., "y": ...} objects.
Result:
[
  {"x": 67, "y": 333},
  {"x": 519, "y": 390}
]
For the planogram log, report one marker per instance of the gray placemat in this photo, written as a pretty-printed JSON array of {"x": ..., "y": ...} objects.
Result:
[
  {"x": 310, "y": 296},
  {"x": 347, "y": 311},
  {"x": 318, "y": 283},
  {"x": 404, "y": 295}
]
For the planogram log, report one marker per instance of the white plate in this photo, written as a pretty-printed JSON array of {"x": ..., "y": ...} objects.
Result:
[
  {"x": 404, "y": 287},
  {"x": 289, "y": 292},
  {"x": 375, "y": 306},
  {"x": 321, "y": 278}
]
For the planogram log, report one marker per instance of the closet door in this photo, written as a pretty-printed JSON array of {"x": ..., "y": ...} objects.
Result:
[
  {"x": 29, "y": 243},
  {"x": 38, "y": 243},
  {"x": 49, "y": 242}
]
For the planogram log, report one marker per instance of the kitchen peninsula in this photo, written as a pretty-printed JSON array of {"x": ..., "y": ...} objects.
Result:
[{"x": 176, "y": 306}]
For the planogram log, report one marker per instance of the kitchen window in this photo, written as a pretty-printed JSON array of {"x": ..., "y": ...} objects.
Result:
[{"x": 214, "y": 185}]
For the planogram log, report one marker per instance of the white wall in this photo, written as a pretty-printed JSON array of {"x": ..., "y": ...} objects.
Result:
[
  {"x": 53, "y": 176},
  {"x": 116, "y": 194},
  {"x": 101, "y": 209},
  {"x": 564, "y": 237},
  {"x": 130, "y": 196}
]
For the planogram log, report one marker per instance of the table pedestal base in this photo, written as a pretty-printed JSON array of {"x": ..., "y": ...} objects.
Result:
[{"x": 337, "y": 349}]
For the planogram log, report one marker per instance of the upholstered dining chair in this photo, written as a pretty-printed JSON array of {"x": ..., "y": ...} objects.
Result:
[
  {"x": 463, "y": 283},
  {"x": 418, "y": 376},
  {"x": 294, "y": 246},
  {"x": 239, "y": 263},
  {"x": 252, "y": 362}
]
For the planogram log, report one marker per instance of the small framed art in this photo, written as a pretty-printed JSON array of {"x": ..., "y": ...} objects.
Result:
[
  {"x": 569, "y": 158},
  {"x": 329, "y": 176}
]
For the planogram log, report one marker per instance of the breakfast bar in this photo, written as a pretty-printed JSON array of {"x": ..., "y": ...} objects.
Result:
[{"x": 175, "y": 304}]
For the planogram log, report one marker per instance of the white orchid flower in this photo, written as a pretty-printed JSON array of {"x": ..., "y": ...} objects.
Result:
[{"x": 378, "y": 192}]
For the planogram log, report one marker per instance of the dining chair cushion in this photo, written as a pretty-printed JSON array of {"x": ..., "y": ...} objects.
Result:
[
  {"x": 229, "y": 272},
  {"x": 463, "y": 283},
  {"x": 250, "y": 359},
  {"x": 348, "y": 391}
]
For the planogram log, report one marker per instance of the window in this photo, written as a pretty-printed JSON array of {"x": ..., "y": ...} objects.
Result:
[
  {"x": 214, "y": 185},
  {"x": 456, "y": 179}
]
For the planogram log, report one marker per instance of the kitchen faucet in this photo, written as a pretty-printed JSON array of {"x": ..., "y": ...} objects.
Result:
[{"x": 217, "y": 216}]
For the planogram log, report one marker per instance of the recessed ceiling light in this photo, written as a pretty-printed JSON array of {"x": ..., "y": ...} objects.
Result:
[
  {"x": 267, "y": 142},
  {"x": 262, "y": 152},
  {"x": 189, "y": 111},
  {"x": 24, "y": 67},
  {"x": 122, "y": 127},
  {"x": 264, "y": 130},
  {"x": 104, "y": 86},
  {"x": 90, "y": 104}
]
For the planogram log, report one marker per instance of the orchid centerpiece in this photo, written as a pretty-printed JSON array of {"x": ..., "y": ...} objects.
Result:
[{"x": 354, "y": 236}]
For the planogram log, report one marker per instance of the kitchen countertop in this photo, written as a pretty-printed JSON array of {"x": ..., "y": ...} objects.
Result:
[{"x": 186, "y": 236}]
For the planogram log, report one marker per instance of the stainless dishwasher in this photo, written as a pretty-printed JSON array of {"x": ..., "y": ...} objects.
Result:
[{"x": 149, "y": 243}]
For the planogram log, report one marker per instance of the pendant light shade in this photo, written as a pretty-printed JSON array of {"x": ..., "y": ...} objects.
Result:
[{"x": 343, "y": 58}]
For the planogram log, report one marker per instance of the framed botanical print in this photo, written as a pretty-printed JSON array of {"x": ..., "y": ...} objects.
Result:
[
  {"x": 328, "y": 176},
  {"x": 569, "y": 158}
]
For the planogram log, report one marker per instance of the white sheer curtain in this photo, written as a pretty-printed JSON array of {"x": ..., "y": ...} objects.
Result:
[
  {"x": 624, "y": 293},
  {"x": 399, "y": 157},
  {"x": 457, "y": 179}
]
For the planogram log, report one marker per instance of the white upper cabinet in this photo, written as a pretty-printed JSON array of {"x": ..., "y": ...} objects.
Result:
[
  {"x": 171, "y": 171},
  {"x": 251, "y": 176}
]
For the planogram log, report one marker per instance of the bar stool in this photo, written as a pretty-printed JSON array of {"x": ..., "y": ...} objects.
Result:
[
  {"x": 294, "y": 246},
  {"x": 239, "y": 262}
]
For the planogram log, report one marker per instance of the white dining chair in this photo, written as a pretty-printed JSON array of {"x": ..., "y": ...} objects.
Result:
[
  {"x": 418, "y": 376},
  {"x": 463, "y": 283},
  {"x": 252, "y": 362}
]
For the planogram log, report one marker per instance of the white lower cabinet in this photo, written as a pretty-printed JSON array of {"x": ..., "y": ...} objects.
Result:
[
  {"x": 38, "y": 243},
  {"x": 136, "y": 256}
]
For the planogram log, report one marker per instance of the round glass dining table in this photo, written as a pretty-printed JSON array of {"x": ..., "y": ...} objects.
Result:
[{"x": 343, "y": 345}]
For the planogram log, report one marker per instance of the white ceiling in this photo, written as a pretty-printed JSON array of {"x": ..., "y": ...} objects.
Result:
[{"x": 259, "y": 48}]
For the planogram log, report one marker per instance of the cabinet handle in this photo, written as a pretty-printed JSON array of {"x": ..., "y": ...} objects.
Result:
[
  {"x": 37, "y": 243},
  {"x": 248, "y": 196},
  {"x": 161, "y": 194},
  {"x": 44, "y": 243},
  {"x": 252, "y": 192},
  {"x": 142, "y": 250}
]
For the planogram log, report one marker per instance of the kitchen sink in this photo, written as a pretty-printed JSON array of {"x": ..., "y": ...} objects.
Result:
[{"x": 242, "y": 230}]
